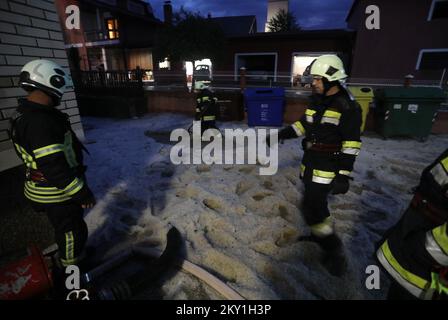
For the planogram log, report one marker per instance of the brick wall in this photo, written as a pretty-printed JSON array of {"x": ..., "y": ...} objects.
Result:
[{"x": 29, "y": 29}]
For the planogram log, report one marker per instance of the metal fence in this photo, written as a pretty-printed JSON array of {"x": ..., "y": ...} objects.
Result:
[{"x": 114, "y": 82}]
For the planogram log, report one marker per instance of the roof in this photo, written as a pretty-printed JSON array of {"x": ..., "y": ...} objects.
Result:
[
  {"x": 301, "y": 34},
  {"x": 352, "y": 8},
  {"x": 237, "y": 25}
]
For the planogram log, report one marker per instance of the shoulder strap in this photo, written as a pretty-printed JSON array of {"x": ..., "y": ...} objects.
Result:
[
  {"x": 12, "y": 124},
  {"x": 12, "y": 130}
]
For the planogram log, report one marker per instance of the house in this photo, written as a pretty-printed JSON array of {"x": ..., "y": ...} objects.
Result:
[
  {"x": 411, "y": 39},
  {"x": 113, "y": 34},
  {"x": 283, "y": 56}
]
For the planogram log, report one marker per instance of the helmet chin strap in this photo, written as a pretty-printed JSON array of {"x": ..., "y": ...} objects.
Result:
[
  {"x": 56, "y": 100},
  {"x": 328, "y": 85}
]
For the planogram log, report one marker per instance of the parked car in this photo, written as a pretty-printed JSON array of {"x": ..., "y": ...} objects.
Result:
[{"x": 202, "y": 72}]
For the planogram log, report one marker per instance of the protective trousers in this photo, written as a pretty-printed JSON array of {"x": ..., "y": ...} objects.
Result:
[
  {"x": 315, "y": 207},
  {"x": 70, "y": 230}
]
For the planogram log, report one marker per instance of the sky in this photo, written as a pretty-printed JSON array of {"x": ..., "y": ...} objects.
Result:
[{"x": 310, "y": 14}]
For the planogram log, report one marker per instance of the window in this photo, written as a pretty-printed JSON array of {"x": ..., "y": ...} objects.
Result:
[
  {"x": 439, "y": 10},
  {"x": 432, "y": 59},
  {"x": 112, "y": 29},
  {"x": 259, "y": 66},
  {"x": 165, "y": 64}
]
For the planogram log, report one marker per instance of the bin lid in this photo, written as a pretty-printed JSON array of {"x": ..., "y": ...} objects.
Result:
[
  {"x": 414, "y": 93},
  {"x": 361, "y": 92},
  {"x": 264, "y": 92}
]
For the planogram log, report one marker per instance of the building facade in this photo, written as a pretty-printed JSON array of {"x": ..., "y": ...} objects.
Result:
[
  {"x": 282, "y": 57},
  {"x": 411, "y": 39},
  {"x": 113, "y": 35},
  {"x": 28, "y": 30}
]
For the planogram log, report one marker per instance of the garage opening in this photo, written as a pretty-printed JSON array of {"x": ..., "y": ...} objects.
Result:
[
  {"x": 299, "y": 63},
  {"x": 259, "y": 66}
]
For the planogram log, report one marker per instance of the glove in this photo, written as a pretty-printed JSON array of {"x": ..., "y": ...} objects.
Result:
[
  {"x": 304, "y": 144},
  {"x": 287, "y": 133},
  {"x": 84, "y": 197},
  {"x": 341, "y": 184}
]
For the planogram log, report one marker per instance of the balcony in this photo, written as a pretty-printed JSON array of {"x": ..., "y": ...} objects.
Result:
[{"x": 95, "y": 35}]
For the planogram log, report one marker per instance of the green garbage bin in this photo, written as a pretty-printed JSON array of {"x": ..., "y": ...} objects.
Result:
[
  {"x": 364, "y": 96},
  {"x": 407, "y": 111}
]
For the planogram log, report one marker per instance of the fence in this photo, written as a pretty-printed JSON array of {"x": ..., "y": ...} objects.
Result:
[
  {"x": 110, "y": 93},
  {"x": 132, "y": 84}
]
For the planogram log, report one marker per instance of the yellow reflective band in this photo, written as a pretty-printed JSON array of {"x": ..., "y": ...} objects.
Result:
[
  {"x": 440, "y": 174},
  {"x": 444, "y": 163},
  {"x": 323, "y": 229},
  {"x": 31, "y": 187},
  {"x": 332, "y": 114},
  {"x": 351, "y": 151},
  {"x": 68, "y": 262},
  {"x": 324, "y": 174},
  {"x": 435, "y": 250},
  {"x": 334, "y": 121},
  {"x": 351, "y": 147},
  {"x": 208, "y": 118},
  {"x": 351, "y": 144},
  {"x": 68, "y": 150},
  {"x": 298, "y": 128},
  {"x": 69, "y": 246},
  {"x": 441, "y": 237},
  {"x": 45, "y": 199},
  {"x": 345, "y": 172},
  {"x": 27, "y": 159},
  {"x": 310, "y": 112},
  {"x": 405, "y": 275},
  {"x": 302, "y": 170},
  {"x": 322, "y": 177},
  {"x": 47, "y": 150},
  {"x": 74, "y": 187}
]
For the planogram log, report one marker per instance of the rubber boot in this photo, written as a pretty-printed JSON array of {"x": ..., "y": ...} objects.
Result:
[{"x": 334, "y": 259}]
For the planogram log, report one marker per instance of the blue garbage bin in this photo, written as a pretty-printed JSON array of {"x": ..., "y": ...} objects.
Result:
[{"x": 265, "y": 106}]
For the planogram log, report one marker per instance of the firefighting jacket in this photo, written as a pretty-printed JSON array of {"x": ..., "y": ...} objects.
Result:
[
  {"x": 416, "y": 249},
  {"x": 206, "y": 106},
  {"x": 329, "y": 122},
  {"x": 43, "y": 139}
]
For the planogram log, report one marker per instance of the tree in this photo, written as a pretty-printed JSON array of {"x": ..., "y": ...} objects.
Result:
[
  {"x": 190, "y": 37},
  {"x": 282, "y": 22}
]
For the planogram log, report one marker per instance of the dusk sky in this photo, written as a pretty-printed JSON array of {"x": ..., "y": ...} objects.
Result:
[{"x": 311, "y": 14}]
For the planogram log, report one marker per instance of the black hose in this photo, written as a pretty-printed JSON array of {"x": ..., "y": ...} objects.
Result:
[{"x": 154, "y": 270}]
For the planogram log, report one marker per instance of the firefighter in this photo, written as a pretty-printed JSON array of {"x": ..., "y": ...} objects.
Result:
[
  {"x": 331, "y": 130},
  {"x": 55, "y": 174},
  {"x": 415, "y": 250},
  {"x": 206, "y": 108}
]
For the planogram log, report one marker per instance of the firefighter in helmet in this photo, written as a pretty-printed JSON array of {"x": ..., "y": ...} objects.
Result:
[
  {"x": 415, "y": 251},
  {"x": 331, "y": 130},
  {"x": 206, "y": 107},
  {"x": 55, "y": 174}
]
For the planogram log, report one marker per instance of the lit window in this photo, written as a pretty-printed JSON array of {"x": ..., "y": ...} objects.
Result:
[
  {"x": 164, "y": 64},
  {"x": 112, "y": 28},
  {"x": 439, "y": 10},
  {"x": 435, "y": 59}
]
